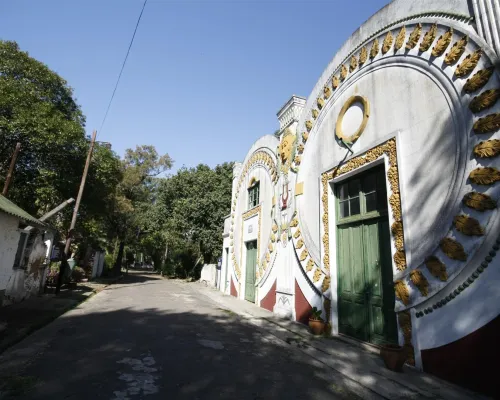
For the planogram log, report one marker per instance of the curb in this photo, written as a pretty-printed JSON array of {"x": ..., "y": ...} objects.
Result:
[{"x": 368, "y": 383}]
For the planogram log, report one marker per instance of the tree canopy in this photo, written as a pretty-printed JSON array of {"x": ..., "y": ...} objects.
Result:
[
  {"x": 38, "y": 110},
  {"x": 128, "y": 204}
]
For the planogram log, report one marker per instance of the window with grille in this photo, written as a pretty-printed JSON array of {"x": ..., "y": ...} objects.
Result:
[
  {"x": 21, "y": 246},
  {"x": 253, "y": 195}
]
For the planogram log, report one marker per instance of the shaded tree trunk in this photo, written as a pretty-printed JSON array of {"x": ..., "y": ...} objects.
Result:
[{"x": 118, "y": 262}]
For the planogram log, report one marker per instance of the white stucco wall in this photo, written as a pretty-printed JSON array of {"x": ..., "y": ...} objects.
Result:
[
  {"x": 416, "y": 98},
  {"x": 24, "y": 283},
  {"x": 224, "y": 281},
  {"x": 9, "y": 238},
  {"x": 240, "y": 233}
]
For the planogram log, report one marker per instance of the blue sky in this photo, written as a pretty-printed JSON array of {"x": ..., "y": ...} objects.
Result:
[{"x": 204, "y": 78}]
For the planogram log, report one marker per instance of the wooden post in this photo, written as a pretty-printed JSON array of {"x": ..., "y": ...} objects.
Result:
[
  {"x": 11, "y": 169},
  {"x": 64, "y": 263},
  {"x": 80, "y": 193}
]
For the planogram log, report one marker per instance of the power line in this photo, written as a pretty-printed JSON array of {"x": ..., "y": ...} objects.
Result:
[{"x": 123, "y": 65}]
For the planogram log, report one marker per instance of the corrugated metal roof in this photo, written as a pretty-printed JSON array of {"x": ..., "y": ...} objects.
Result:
[{"x": 10, "y": 208}]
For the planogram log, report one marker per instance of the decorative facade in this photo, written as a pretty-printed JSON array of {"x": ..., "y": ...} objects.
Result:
[{"x": 378, "y": 203}]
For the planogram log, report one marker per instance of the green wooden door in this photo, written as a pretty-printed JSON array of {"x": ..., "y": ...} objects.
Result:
[
  {"x": 250, "y": 271},
  {"x": 365, "y": 294}
]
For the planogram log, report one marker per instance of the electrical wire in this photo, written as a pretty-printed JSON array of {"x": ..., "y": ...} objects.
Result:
[{"x": 123, "y": 65}]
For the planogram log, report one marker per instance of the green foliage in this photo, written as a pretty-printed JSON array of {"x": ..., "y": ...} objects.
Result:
[
  {"x": 108, "y": 260},
  {"x": 316, "y": 314},
  {"x": 38, "y": 110},
  {"x": 188, "y": 216}
]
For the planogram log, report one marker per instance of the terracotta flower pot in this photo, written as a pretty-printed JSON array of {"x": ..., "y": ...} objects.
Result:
[
  {"x": 394, "y": 357},
  {"x": 317, "y": 326}
]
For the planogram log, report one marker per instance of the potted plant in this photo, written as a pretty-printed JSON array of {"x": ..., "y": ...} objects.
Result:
[
  {"x": 394, "y": 356},
  {"x": 316, "y": 323}
]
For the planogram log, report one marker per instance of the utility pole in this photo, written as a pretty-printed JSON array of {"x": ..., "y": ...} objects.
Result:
[
  {"x": 11, "y": 169},
  {"x": 80, "y": 194},
  {"x": 66, "y": 255}
]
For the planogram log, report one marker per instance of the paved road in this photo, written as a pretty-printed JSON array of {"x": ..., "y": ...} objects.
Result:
[{"x": 158, "y": 339}]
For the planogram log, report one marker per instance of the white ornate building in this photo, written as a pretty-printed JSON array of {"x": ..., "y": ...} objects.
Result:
[{"x": 379, "y": 202}]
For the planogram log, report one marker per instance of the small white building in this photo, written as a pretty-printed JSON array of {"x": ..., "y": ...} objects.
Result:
[
  {"x": 379, "y": 201},
  {"x": 24, "y": 244}
]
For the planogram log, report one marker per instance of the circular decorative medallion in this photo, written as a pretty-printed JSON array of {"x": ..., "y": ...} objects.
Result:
[{"x": 358, "y": 110}]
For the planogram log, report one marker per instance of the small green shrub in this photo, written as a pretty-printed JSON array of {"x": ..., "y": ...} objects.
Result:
[{"x": 316, "y": 314}]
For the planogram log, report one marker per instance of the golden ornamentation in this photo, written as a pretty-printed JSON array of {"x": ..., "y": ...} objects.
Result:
[
  {"x": 468, "y": 226},
  {"x": 484, "y": 176},
  {"x": 456, "y": 51},
  {"x": 275, "y": 228},
  {"x": 485, "y": 100},
  {"x": 314, "y": 113},
  {"x": 253, "y": 181},
  {"x": 400, "y": 39},
  {"x": 335, "y": 82},
  {"x": 420, "y": 281},
  {"x": 310, "y": 265},
  {"x": 343, "y": 72},
  {"x": 299, "y": 188},
  {"x": 363, "y": 56},
  {"x": 283, "y": 237},
  {"x": 327, "y": 92},
  {"x": 297, "y": 160},
  {"x": 479, "y": 201},
  {"x": 326, "y": 284},
  {"x": 428, "y": 38},
  {"x": 397, "y": 232},
  {"x": 303, "y": 255},
  {"x": 402, "y": 292},
  {"x": 394, "y": 201},
  {"x": 404, "y": 319},
  {"x": 436, "y": 268},
  {"x": 300, "y": 148},
  {"x": 366, "y": 114},
  {"x": 386, "y": 45},
  {"x": 317, "y": 275},
  {"x": 392, "y": 176},
  {"x": 297, "y": 233},
  {"x": 442, "y": 43},
  {"x": 268, "y": 257},
  {"x": 300, "y": 244},
  {"x": 327, "y": 306},
  {"x": 305, "y": 136},
  {"x": 479, "y": 79},
  {"x": 374, "y": 50},
  {"x": 488, "y": 124},
  {"x": 487, "y": 149},
  {"x": 400, "y": 260},
  {"x": 251, "y": 213},
  {"x": 285, "y": 150},
  {"x": 453, "y": 249},
  {"x": 309, "y": 125},
  {"x": 294, "y": 223},
  {"x": 320, "y": 102},
  {"x": 353, "y": 64},
  {"x": 414, "y": 37},
  {"x": 270, "y": 247},
  {"x": 468, "y": 64}
]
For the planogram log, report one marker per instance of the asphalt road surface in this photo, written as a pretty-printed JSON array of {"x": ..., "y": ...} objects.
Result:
[{"x": 153, "y": 338}]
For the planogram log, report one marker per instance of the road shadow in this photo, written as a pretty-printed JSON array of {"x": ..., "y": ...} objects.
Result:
[{"x": 190, "y": 355}]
